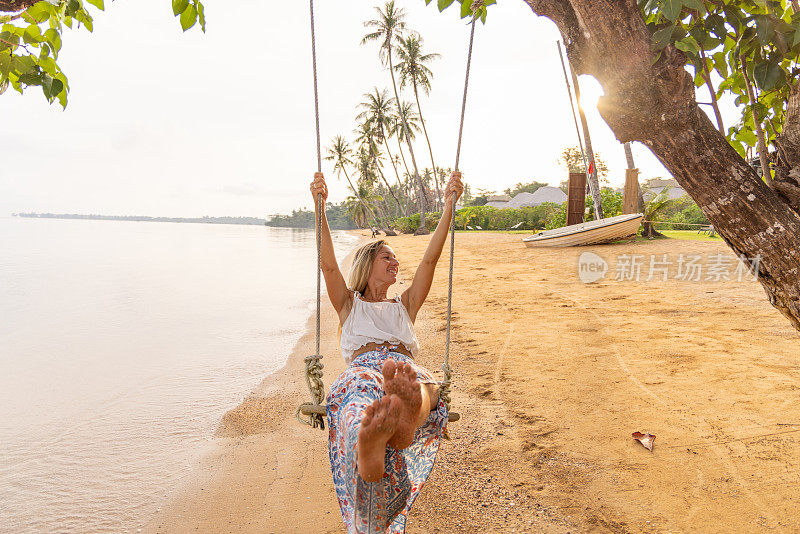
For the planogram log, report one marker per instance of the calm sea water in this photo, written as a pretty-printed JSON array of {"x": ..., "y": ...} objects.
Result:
[{"x": 121, "y": 346}]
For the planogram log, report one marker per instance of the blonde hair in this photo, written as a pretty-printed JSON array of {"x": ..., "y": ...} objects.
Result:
[{"x": 362, "y": 265}]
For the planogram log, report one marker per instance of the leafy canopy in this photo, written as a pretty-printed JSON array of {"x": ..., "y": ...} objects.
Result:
[
  {"x": 466, "y": 7},
  {"x": 716, "y": 35},
  {"x": 30, "y": 41}
]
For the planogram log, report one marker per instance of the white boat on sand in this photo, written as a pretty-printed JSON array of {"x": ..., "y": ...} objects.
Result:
[{"x": 588, "y": 233}]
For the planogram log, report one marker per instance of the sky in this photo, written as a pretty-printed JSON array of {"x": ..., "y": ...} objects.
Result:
[{"x": 167, "y": 123}]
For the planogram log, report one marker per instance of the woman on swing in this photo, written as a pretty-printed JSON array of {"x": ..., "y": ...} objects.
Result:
[{"x": 384, "y": 413}]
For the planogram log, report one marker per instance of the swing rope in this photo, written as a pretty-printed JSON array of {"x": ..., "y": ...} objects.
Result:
[
  {"x": 315, "y": 410},
  {"x": 444, "y": 388},
  {"x": 313, "y": 364}
]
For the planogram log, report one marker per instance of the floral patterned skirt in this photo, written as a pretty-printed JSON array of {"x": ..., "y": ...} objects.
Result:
[{"x": 382, "y": 506}]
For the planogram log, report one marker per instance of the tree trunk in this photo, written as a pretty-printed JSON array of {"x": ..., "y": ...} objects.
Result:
[
  {"x": 430, "y": 150},
  {"x": 594, "y": 185},
  {"x": 422, "y": 228},
  {"x": 632, "y": 165},
  {"x": 12, "y": 6},
  {"x": 653, "y": 102},
  {"x": 402, "y": 155},
  {"x": 389, "y": 152},
  {"x": 787, "y": 172},
  {"x": 380, "y": 171}
]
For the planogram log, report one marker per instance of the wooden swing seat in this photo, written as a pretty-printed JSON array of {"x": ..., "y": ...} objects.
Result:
[{"x": 321, "y": 409}]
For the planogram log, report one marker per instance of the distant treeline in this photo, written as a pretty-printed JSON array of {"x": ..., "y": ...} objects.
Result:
[
  {"x": 207, "y": 220},
  {"x": 338, "y": 219}
]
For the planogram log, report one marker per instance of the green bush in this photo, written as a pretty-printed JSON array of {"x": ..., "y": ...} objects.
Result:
[
  {"x": 612, "y": 203},
  {"x": 408, "y": 225}
]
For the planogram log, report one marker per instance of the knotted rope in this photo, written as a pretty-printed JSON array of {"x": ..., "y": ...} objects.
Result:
[
  {"x": 313, "y": 364},
  {"x": 444, "y": 388}
]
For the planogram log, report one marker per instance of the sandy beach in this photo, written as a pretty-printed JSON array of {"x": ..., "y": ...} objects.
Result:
[{"x": 552, "y": 375}]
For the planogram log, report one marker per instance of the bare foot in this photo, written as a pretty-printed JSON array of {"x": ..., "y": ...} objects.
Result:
[
  {"x": 401, "y": 380},
  {"x": 377, "y": 426}
]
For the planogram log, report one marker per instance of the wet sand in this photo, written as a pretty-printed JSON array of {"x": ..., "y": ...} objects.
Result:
[{"x": 551, "y": 378}]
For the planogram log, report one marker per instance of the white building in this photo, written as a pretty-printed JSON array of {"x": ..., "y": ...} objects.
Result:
[
  {"x": 655, "y": 187},
  {"x": 524, "y": 200}
]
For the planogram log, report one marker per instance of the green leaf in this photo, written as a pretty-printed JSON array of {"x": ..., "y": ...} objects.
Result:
[
  {"x": 765, "y": 30},
  {"x": 37, "y": 13},
  {"x": 32, "y": 34},
  {"x": 738, "y": 147},
  {"x": 179, "y": 6},
  {"x": 672, "y": 9},
  {"x": 98, "y": 4},
  {"x": 662, "y": 37},
  {"x": 201, "y": 16},
  {"x": 443, "y": 4},
  {"x": 466, "y": 8},
  {"x": 697, "y": 5},
  {"x": 8, "y": 40},
  {"x": 188, "y": 18},
  {"x": 47, "y": 83},
  {"x": 73, "y": 6},
  {"x": 22, "y": 64},
  {"x": 747, "y": 136},
  {"x": 31, "y": 78},
  {"x": 688, "y": 45},
  {"x": 5, "y": 64},
  {"x": 56, "y": 87},
  {"x": 54, "y": 40},
  {"x": 766, "y": 74}
]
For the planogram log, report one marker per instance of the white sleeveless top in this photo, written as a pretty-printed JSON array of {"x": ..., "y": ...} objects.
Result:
[{"x": 377, "y": 322}]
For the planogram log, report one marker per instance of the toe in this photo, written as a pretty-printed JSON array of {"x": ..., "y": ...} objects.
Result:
[{"x": 389, "y": 369}]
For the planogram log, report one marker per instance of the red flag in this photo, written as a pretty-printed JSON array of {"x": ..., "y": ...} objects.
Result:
[{"x": 591, "y": 167}]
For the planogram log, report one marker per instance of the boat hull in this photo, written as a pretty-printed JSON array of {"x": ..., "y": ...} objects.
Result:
[{"x": 588, "y": 233}]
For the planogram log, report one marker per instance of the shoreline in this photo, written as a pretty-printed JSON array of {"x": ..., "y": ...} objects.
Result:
[
  {"x": 266, "y": 409},
  {"x": 551, "y": 377}
]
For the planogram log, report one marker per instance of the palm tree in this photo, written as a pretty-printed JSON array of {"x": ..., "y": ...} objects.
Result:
[
  {"x": 357, "y": 206},
  {"x": 399, "y": 131},
  {"x": 652, "y": 208},
  {"x": 406, "y": 129},
  {"x": 339, "y": 152},
  {"x": 377, "y": 113},
  {"x": 366, "y": 138},
  {"x": 386, "y": 27},
  {"x": 413, "y": 71}
]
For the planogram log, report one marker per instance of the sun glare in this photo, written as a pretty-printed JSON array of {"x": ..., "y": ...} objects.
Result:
[{"x": 591, "y": 91}]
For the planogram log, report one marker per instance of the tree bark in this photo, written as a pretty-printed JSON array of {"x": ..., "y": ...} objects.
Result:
[
  {"x": 653, "y": 102},
  {"x": 13, "y": 6},
  {"x": 787, "y": 171}
]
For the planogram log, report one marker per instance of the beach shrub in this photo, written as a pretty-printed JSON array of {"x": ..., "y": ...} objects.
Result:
[
  {"x": 612, "y": 203},
  {"x": 490, "y": 218},
  {"x": 682, "y": 214},
  {"x": 558, "y": 217},
  {"x": 408, "y": 225}
]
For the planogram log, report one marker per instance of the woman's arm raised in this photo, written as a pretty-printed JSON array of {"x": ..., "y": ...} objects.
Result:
[
  {"x": 334, "y": 281},
  {"x": 415, "y": 296}
]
